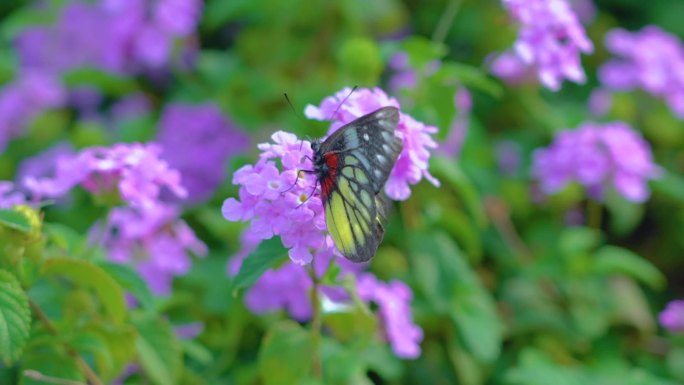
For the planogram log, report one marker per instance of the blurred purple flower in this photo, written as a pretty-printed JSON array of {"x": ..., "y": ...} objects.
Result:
[
  {"x": 9, "y": 196},
  {"x": 197, "y": 141},
  {"x": 130, "y": 107},
  {"x": 412, "y": 165},
  {"x": 508, "y": 157},
  {"x": 404, "y": 76},
  {"x": 153, "y": 240},
  {"x": 596, "y": 156},
  {"x": 24, "y": 99},
  {"x": 550, "y": 39},
  {"x": 288, "y": 288},
  {"x": 600, "y": 102},
  {"x": 393, "y": 300},
  {"x": 44, "y": 164},
  {"x": 672, "y": 318},
  {"x": 134, "y": 171},
  {"x": 453, "y": 144},
  {"x": 651, "y": 59},
  {"x": 585, "y": 10}
]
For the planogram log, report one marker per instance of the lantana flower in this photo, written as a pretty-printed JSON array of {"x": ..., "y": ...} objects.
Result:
[
  {"x": 276, "y": 199},
  {"x": 672, "y": 318},
  {"x": 651, "y": 60},
  {"x": 134, "y": 171},
  {"x": 598, "y": 156},
  {"x": 550, "y": 40}
]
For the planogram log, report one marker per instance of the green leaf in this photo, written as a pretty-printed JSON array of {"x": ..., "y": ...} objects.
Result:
[
  {"x": 111, "y": 84},
  {"x": 448, "y": 170},
  {"x": 578, "y": 240},
  {"x": 266, "y": 255},
  {"x": 285, "y": 355},
  {"x": 158, "y": 350},
  {"x": 469, "y": 76},
  {"x": 671, "y": 185},
  {"x": 15, "y": 318},
  {"x": 422, "y": 51},
  {"x": 15, "y": 220},
  {"x": 112, "y": 348},
  {"x": 616, "y": 260},
  {"x": 87, "y": 274},
  {"x": 454, "y": 289},
  {"x": 52, "y": 363},
  {"x": 130, "y": 281}
]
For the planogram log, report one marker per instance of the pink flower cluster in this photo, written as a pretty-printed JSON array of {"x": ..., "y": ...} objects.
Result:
[
  {"x": 550, "y": 40},
  {"x": 412, "y": 165},
  {"x": 154, "y": 240},
  {"x": 134, "y": 171},
  {"x": 597, "y": 156},
  {"x": 650, "y": 59},
  {"x": 672, "y": 318},
  {"x": 287, "y": 203}
]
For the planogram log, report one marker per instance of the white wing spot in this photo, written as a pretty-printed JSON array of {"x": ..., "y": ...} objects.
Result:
[
  {"x": 366, "y": 137},
  {"x": 386, "y": 148},
  {"x": 387, "y": 136},
  {"x": 377, "y": 173},
  {"x": 381, "y": 158}
]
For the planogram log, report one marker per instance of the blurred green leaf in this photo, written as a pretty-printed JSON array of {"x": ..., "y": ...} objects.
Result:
[
  {"x": 578, "y": 240},
  {"x": 15, "y": 318},
  {"x": 671, "y": 185},
  {"x": 617, "y": 260},
  {"x": 108, "y": 83},
  {"x": 49, "y": 362},
  {"x": 89, "y": 275},
  {"x": 285, "y": 355},
  {"x": 158, "y": 351},
  {"x": 14, "y": 220},
  {"x": 266, "y": 255},
  {"x": 422, "y": 51},
  {"x": 450, "y": 172},
  {"x": 468, "y": 76},
  {"x": 130, "y": 281},
  {"x": 360, "y": 58},
  {"x": 454, "y": 289}
]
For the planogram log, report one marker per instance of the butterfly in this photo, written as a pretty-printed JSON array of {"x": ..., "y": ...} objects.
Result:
[{"x": 352, "y": 166}]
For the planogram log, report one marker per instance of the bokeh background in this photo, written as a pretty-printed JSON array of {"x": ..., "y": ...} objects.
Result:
[{"x": 548, "y": 250}]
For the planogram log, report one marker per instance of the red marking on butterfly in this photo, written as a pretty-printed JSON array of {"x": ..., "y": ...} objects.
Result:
[{"x": 331, "y": 160}]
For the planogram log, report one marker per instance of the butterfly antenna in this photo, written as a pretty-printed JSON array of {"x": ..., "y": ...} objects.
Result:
[{"x": 342, "y": 102}]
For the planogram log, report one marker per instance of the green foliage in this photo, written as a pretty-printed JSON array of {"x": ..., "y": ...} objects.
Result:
[
  {"x": 15, "y": 318},
  {"x": 264, "y": 257},
  {"x": 88, "y": 275},
  {"x": 158, "y": 351},
  {"x": 285, "y": 355}
]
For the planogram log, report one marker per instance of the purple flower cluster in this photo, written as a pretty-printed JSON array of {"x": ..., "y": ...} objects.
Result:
[
  {"x": 597, "y": 156},
  {"x": 393, "y": 300},
  {"x": 672, "y": 318},
  {"x": 154, "y": 240},
  {"x": 287, "y": 204},
  {"x": 651, "y": 59},
  {"x": 133, "y": 171},
  {"x": 9, "y": 196},
  {"x": 120, "y": 36},
  {"x": 550, "y": 39},
  {"x": 197, "y": 140},
  {"x": 288, "y": 288},
  {"x": 24, "y": 99},
  {"x": 454, "y": 142},
  {"x": 412, "y": 164}
]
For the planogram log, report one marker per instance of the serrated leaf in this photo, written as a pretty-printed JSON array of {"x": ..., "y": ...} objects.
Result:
[
  {"x": 158, "y": 351},
  {"x": 14, "y": 220},
  {"x": 130, "y": 281},
  {"x": 285, "y": 355},
  {"x": 616, "y": 260},
  {"x": 263, "y": 258},
  {"x": 15, "y": 318},
  {"x": 89, "y": 275}
]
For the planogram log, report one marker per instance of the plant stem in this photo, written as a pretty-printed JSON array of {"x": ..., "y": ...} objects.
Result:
[
  {"x": 594, "y": 214},
  {"x": 38, "y": 376},
  {"x": 87, "y": 371},
  {"x": 446, "y": 21},
  {"x": 316, "y": 366}
]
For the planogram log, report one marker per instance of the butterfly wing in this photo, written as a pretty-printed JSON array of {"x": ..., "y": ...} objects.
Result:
[
  {"x": 360, "y": 156},
  {"x": 371, "y": 138}
]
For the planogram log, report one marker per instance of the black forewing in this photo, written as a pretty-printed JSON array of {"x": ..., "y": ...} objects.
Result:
[{"x": 371, "y": 139}]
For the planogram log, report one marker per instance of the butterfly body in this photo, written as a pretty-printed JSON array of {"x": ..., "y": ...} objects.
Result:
[{"x": 352, "y": 166}]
